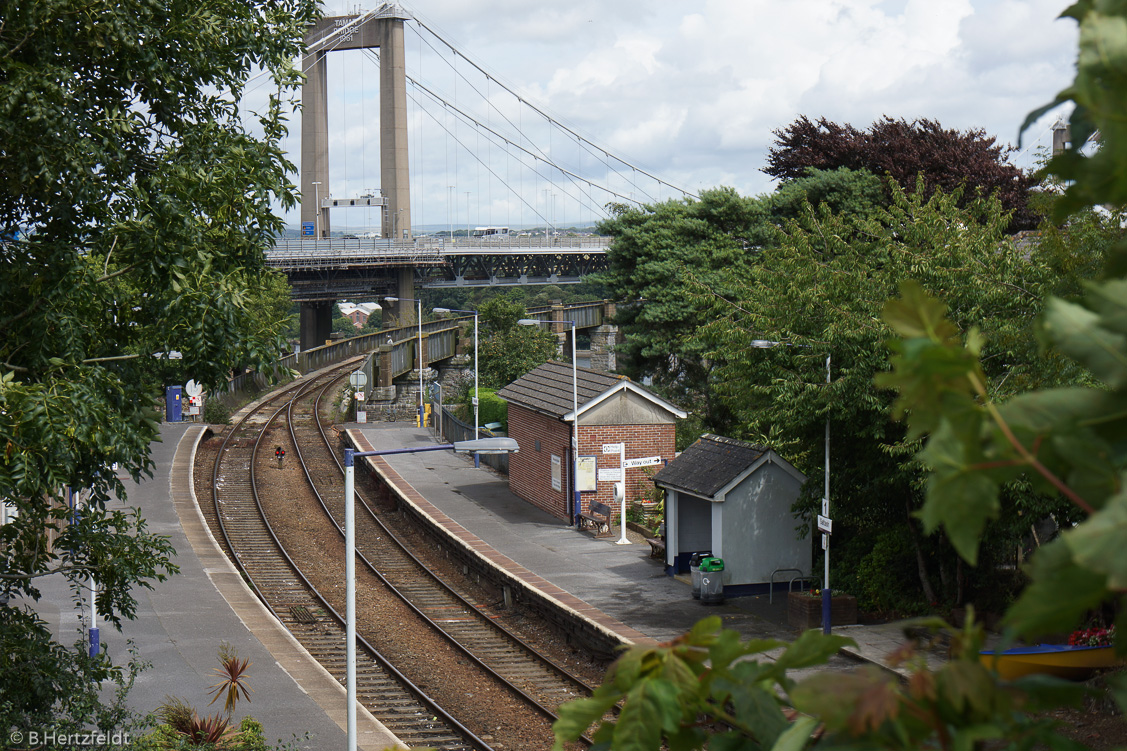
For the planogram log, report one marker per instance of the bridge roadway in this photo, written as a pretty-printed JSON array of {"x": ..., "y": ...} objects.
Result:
[{"x": 341, "y": 267}]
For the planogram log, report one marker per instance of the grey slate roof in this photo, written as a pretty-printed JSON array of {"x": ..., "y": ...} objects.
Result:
[
  {"x": 708, "y": 465},
  {"x": 547, "y": 388}
]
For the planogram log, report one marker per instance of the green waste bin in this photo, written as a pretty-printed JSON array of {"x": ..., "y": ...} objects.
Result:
[{"x": 712, "y": 581}]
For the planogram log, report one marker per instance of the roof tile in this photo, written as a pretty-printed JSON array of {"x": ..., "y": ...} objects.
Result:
[{"x": 709, "y": 464}]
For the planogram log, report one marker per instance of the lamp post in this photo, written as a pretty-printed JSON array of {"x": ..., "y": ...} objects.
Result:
[
  {"x": 574, "y": 412},
  {"x": 484, "y": 446},
  {"x": 317, "y": 202},
  {"x": 419, "y": 362},
  {"x": 476, "y": 421},
  {"x": 826, "y": 594}
]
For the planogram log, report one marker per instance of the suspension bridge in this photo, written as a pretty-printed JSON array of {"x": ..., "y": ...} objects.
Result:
[{"x": 529, "y": 171}]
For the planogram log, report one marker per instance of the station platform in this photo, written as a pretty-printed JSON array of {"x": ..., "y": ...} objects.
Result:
[{"x": 621, "y": 582}]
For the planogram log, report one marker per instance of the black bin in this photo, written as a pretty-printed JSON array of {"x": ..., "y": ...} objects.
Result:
[{"x": 694, "y": 571}]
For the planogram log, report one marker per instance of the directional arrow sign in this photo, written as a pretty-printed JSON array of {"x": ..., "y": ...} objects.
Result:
[
  {"x": 613, "y": 448},
  {"x": 825, "y": 524},
  {"x": 642, "y": 461}
]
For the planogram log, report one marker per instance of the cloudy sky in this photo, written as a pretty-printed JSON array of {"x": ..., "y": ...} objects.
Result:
[{"x": 689, "y": 92}]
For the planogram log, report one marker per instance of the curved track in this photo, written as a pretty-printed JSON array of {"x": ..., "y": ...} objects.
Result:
[
  {"x": 541, "y": 682},
  {"x": 404, "y": 708}
]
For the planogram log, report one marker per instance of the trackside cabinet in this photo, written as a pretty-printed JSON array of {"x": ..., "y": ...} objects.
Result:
[{"x": 173, "y": 406}]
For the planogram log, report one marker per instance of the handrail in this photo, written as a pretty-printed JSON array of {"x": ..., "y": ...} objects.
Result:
[{"x": 771, "y": 590}]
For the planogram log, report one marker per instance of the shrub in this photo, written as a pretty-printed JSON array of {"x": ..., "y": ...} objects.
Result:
[{"x": 215, "y": 412}]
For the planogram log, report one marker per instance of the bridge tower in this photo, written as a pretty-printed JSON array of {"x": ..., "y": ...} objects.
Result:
[{"x": 382, "y": 28}]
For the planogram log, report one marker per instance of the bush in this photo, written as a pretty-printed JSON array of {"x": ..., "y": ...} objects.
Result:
[
  {"x": 215, "y": 412},
  {"x": 490, "y": 408},
  {"x": 880, "y": 570}
]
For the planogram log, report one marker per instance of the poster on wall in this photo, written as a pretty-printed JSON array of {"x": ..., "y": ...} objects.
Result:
[
  {"x": 557, "y": 481},
  {"x": 585, "y": 473}
]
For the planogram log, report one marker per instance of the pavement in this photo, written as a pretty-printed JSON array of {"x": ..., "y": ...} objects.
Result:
[{"x": 621, "y": 580}]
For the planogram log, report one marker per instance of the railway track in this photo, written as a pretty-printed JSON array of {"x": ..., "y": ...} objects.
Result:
[
  {"x": 544, "y": 684},
  {"x": 403, "y": 707}
]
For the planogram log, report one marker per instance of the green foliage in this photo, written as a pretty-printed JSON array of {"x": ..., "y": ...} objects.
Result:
[
  {"x": 498, "y": 315},
  {"x": 47, "y": 685},
  {"x": 492, "y": 408},
  {"x": 250, "y": 736},
  {"x": 821, "y": 291},
  {"x": 345, "y": 327},
  {"x": 651, "y": 248},
  {"x": 855, "y": 193},
  {"x": 985, "y": 442},
  {"x": 135, "y": 208},
  {"x": 215, "y": 412},
  {"x": 676, "y": 695},
  {"x": 508, "y": 350}
]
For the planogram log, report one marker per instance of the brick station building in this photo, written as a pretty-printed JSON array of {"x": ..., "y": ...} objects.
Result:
[{"x": 612, "y": 409}]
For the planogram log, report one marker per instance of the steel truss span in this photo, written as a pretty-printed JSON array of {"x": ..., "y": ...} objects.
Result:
[{"x": 495, "y": 270}]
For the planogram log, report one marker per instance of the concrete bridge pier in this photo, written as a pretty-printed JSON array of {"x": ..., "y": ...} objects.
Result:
[
  {"x": 316, "y": 323},
  {"x": 401, "y": 313}
]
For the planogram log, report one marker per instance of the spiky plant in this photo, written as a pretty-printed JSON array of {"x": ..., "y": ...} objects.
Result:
[
  {"x": 211, "y": 730},
  {"x": 176, "y": 713},
  {"x": 232, "y": 678}
]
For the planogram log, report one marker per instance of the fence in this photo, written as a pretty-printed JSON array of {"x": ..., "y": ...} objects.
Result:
[{"x": 454, "y": 430}]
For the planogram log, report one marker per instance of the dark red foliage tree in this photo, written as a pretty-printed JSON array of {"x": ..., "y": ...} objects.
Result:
[{"x": 899, "y": 149}]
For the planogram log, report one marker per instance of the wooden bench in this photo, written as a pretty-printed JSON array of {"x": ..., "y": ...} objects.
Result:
[
  {"x": 657, "y": 547},
  {"x": 598, "y": 516}
]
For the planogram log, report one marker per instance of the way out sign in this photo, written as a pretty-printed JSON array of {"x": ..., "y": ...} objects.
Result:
[{"x": 642, "y": 461}]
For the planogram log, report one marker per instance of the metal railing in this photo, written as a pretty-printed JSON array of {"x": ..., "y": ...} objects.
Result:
[
  {"x": 441, "y": 338},
  {"x": 585, "y": 315},
  {"x": 790, "y": 586},
  {"x": 339, "y": 252},
  {"x": 454, "y": 429}
]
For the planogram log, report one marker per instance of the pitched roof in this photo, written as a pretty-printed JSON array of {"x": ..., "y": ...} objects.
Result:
[
  {"x": 709, "y": 465},
  {"x": 548, "y": 388}
]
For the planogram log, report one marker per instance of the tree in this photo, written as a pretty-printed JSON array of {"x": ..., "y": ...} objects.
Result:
[
  {"x": 855, "y": 193},
  {"x": 948, "y": 159},
  {"x": 509, "y": 350},
  {"x": 822, "y": 290},
  {"x": 651, "y": 248},
  {"x": 134, "y": 210}
]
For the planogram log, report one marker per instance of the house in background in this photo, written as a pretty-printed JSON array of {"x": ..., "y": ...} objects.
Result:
[
  {"x": 733, "y": 499},
  {"x": 358, "y": 313},
  {"x": 612, "y": 409}
]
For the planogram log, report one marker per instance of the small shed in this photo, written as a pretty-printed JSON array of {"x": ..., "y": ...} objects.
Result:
[
  {"x": 612, "y": 409},
  {"x": 733, "y": 499}
]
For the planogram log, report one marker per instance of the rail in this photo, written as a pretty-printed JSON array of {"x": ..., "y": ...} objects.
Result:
[{"x": 790, "y": 585}]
